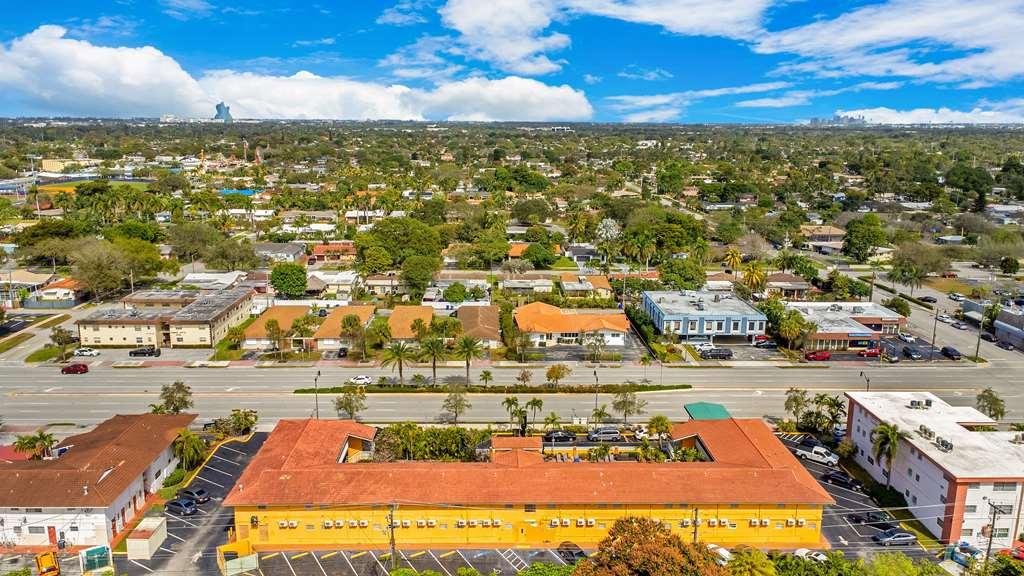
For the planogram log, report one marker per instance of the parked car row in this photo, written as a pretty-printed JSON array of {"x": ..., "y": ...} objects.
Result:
[{"x": 187, "y": 501}]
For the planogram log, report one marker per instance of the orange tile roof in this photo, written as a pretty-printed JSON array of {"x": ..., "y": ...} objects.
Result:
[
  {"x": 331, "y": 327},
  {"x": 538, "y": 317},
  {"x": 298, "y": 465},
  {"x": 482, "y": 322},
  {"x": 401, "y": 319},
  {"x": 600, "y": 282},
  {"x": 348, "y": 248},
  {"x": 285, "y": 316},
  {"x": 69, "y": 283},
  {"x": 513, "y": 442},
  {"x": 517, "y": 249},
  {"x": 97, "y": 469}
]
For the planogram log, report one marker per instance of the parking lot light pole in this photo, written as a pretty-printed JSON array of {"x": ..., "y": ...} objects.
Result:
[
  {"x": 316, "y": 395},
  {"x": 867, "y": 382},
  {"x": 935, "y": 328},
  {"x": 597, "y": 385}
]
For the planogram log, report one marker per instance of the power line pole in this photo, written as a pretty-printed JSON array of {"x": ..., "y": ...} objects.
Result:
[
  {"x": 997, "y": 509},
  {"x": 316, "y": 395},
  {"x": 696, "y": 521},
  {"x": 391, "y": 537}
]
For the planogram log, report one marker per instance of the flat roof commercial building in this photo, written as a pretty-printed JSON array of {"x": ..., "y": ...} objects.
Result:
[
  {"x": 97, "y": 483},
  {"x": 949, "y": 473},
  {"x": 165, "y": 320},
  {"x": 702, "y": 314},
  {"x": 303, "y": 491},
  {"x": 847, "y": 325}
]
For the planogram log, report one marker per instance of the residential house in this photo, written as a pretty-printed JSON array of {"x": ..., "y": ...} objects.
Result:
[
  {"x": 280, "y": 251},
  {"x": 401, "y": 320},
  {"x": 482, "y": 323},
  {"x": 16, "y": 284},
  {"x": 580, "y": 286},
  {"x": 256, "y": 337},
  {"x": 384, "y": 284},
  {"x": 526, "y": 285},
  {"x": 703, "y": 315},
  {"x": 329, "y": 335},
  {"x": 337, "y": 252},
  {"x": 341, "y": 283},
  {"x": 582, "y": 253},
  {"x": 548, "y": 325},
  {"x": 516, "y": 250},
  {"x": 92, "y": 485},
  {"x": 822, "y": 233},
  {"x": 787, "y": 286},
  {"x": 63, "y": 293}
]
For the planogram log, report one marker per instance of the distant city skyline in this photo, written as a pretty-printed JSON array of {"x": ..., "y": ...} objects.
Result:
[{"x": 745, "y": 61}]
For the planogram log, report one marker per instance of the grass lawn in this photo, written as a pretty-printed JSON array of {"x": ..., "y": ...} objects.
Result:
[
  {"x": 51, "y": 322},
  {"x": 70, "y": 186},
  {"x": 14, "y": 341},
  {"x": 947, "y": 285},
  {"x": 224, "y": 351},
  {"x": 564, "y": 263},
  {"x": 44, "y": 354}
]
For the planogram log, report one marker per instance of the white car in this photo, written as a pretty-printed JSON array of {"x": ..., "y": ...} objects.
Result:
[
  {"x": 956, "y": 297},
  {"x": 722, "y": 555},
  {"x": 701, "y": 346},
  {"x": 361, "y": 380},
  {"x": 909, "y": 339},
  {"x": 812, "y": 555},
  {"x": 85, "y": 352},
  {"x": 945, "y": 318}
]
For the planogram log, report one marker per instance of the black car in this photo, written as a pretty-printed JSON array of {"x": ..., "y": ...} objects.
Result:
[
  {"x": 570, "y": 553},
  {"x": 250, "y": 355},
  {"x": 912, "y": 353},
  {"x": 181, "y": 507},
  {"x": 559, "y": 436},
  {"x": 145, "y": 351},
  {"x": 716, "y": 354},
  {"x": 951, "y": 353},
  {"x": 928, "y": 299},
  {"x": 767, "y": 344},
  {"x": 1005, "y": 345},
  {"x": 843, "y": 480},
  {"x": 342, "y": 352},
  {"x": 323, "y": 312},
  {"x": 810, "y": 442},
  {"x": 987, "y": 337},
  {"x": 879, "y": 519},
  {"x": 198, "y": 495}
]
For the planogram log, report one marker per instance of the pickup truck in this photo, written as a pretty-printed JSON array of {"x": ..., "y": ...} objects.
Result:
[{"x": 818, "y": 454}]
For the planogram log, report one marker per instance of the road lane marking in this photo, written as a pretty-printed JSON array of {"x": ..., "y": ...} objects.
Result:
[{"x": 210, "y": 481}]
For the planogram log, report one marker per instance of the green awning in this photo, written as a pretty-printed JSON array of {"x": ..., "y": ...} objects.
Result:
[{"x": 706, "y": 411}]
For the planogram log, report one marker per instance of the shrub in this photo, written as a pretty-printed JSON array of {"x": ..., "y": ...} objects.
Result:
[
  {"x": 845, "y": 449},
  {"x": 787, "y": 426},
  {"x": 174, "y": 478}
]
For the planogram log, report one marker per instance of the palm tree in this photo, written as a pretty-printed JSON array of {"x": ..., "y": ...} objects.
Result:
[
  {"x": 600, "y": 414},
  {"x": 534, "y": 405},
  {"x": 398, "y": 354},
  {"x": 791, "y": 326},
  {"x": 990, "y": 404},
  {"x": 754, "y": 276},
  {"x": 469, "y": 348},
  {"x": 433, "y": 349},
  {"x": 486, "y": 377},
  {"x": 797, "y": 401},
  {"x": 645, "y": 361},
  {"x": 419, "y": 328},
  {"x": 785, "y": 260},
  {"x": 733, "y": 259},
  {"x": 352, "y": 327},
  {"x": 551, "y": 421},
  {"x": 885, "y": 445},
  {"x": 511, "y": 405},
  {"x": 189, "y": 449},
  {"x": 44, "y": 442},
  {"x": 834, "y": 410}
]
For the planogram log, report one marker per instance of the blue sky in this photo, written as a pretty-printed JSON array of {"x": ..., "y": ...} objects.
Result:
[{"x": 891, "y": 61}]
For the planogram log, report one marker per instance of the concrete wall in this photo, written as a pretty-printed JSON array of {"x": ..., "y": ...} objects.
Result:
[
  {"x": 518, "y": 525},
  {"x": 543, "y": 340},
  {"x": 119, "y": 334}
]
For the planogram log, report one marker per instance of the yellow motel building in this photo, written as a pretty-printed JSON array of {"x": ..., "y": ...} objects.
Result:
[{"x": 311, "y": 487}]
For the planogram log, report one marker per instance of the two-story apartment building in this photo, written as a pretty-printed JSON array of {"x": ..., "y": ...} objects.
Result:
[
  {"x": 702, "y": 315},
  {"x": 950, "y": 474}
]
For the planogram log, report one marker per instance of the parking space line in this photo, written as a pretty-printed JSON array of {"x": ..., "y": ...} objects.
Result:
[
  {"x": 349, "y": 562},
  {"x": 143, "y": 566},
  {"x": 289, "y": 563},
  {"x": 466, "y": 560},
  {"x": 557, "y": 557},
  {"x": 320, "y": 565},
  {"x": 229, "y": 449},
  {"x": 416, "y": 554},
  {"x": 226, "y": 460},
  {"x": 447, "y": 554},
  {"x": 377, "y": 560},
  {"x": 329, "y": 555},
  {"x": 358, "y": 554},
  {"x": 269, "y": 556},
  {"x": 208, "y": 467},
  {"x": 211, "y": 482},
  {"x": 300, "y": 555},
  {"x": 443, "y": 567},
  {"x": 509, "y": 561},
  {"x": 182, "y": 519},
  {"x": 176, "y": 537},
  {"x": 167, "y": 550}
]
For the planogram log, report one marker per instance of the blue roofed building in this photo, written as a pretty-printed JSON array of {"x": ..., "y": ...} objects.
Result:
[{"x": 703, "y": 315}]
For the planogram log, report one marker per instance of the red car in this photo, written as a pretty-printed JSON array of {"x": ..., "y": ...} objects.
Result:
[
  {"x": 77, "y": 368},
  {"x": 818, "y": 355},
  {"x": 762, "y": 338},
  {"x": 870, "y": 353}
]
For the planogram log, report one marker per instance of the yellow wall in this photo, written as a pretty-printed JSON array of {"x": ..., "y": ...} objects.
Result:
[
  {"x": 516, "y": 526},
  {"x": 118, "y": 334}
]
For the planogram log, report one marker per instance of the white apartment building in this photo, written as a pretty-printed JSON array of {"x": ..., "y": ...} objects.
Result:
[{"x": 950, "y": 474}]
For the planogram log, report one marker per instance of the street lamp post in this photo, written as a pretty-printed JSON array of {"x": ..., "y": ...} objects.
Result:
[
  {"x": 597, "y": 385},
  {"x": 935, "y": 328},
  {"x": 316, "y": 395},
  {"x": 867, "y": 382}
]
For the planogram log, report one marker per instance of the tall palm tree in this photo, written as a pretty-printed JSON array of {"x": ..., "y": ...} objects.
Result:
[
  {"x": 600, "y": 414},
  {"x": 747, "y": 561},
  {"x": 796, "y": 402},
  {"x": 469, "y": 348},
  {"x": 733, "y": 259},
  {"x": 433, "y": 349},
  {"x": 398, "y": 354},
  {"x": 885, "y": 445},
  {"x": 534, "y": 405},
  {"x": 352, "y": 327},
  {"x": 189, "y": 449},
  {"x": 552, "y": 420},
  {"x": 486, "y": 377},
  {"x": 834, "y": 411},
  {"x": 511, "y": 405}
]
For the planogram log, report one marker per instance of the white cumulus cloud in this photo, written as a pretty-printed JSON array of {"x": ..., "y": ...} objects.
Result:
[
  {"x": 66, "y": 76},
  {"x": 1006, "y": 112}
]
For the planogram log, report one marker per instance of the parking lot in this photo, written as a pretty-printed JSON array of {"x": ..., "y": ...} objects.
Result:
[
  {"x": 854, "y": 540},
  {"x": 505, "y": 562},
  {"x": 196, "y": 537},
  {"x": 633, "y": 350}
]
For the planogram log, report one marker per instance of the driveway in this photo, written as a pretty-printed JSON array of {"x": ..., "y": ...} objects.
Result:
[{"x": 191, "y": 544}]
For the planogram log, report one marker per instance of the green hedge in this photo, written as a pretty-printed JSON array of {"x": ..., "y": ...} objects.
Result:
[{"x": 499, "y": 389}]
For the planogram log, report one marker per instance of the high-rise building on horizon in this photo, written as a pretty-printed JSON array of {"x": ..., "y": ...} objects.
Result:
[{"x": 223, "y": 113}]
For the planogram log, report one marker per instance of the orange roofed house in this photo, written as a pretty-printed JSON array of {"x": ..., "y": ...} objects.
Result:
[
  {"x": 549, "y": 325},
  {"x": 94, "y": 485},
  {"x": 304, "y": 490},
  {"x": 329, "y": 335},
  {"x": 401, "y": 320},
  {"x": 256, "y": 336}
]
